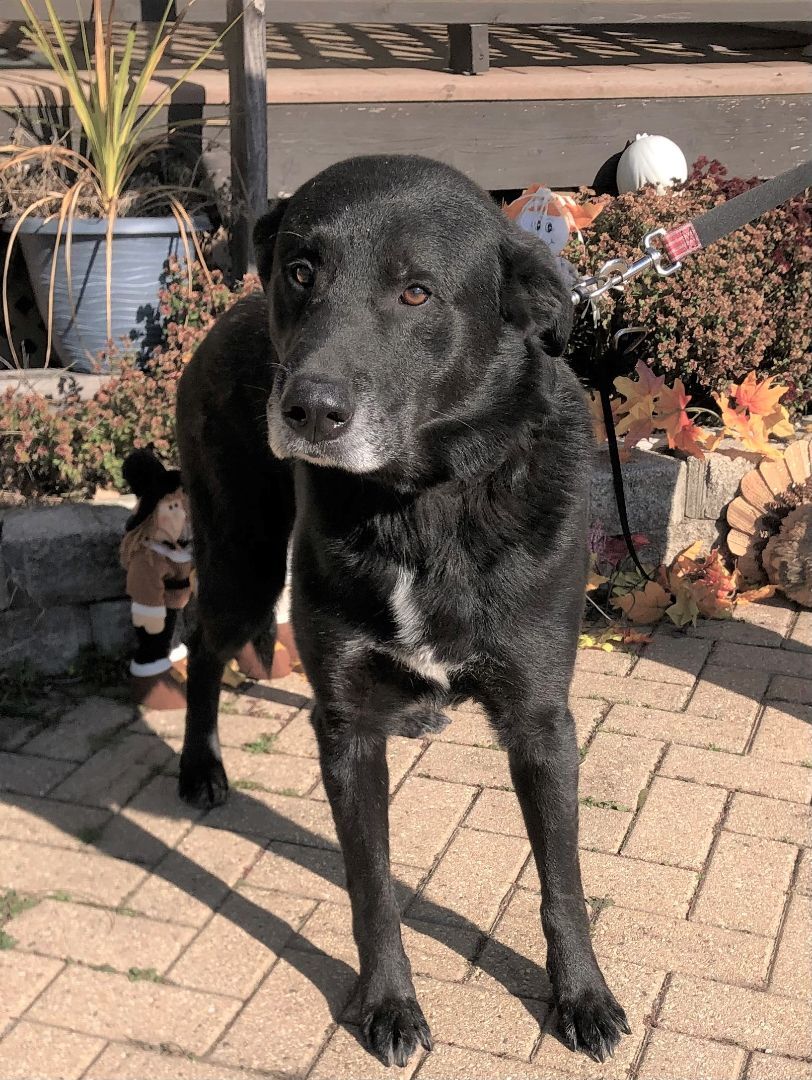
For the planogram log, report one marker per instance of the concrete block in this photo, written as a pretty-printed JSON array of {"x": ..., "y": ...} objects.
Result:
[
  {"x": 64, "y": 554},
  {"x": 712, "y": 483},
  {"x": 655, "y": 492},
  {"x": 48, "y": 640},
  {"x": 681, "y": 534},
  {"x": 111, "y": 626}
]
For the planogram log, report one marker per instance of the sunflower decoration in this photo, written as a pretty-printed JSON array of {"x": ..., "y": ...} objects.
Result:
[{"x": 771, "y": 523}]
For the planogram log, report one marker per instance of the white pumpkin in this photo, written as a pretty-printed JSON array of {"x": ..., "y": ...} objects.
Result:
[{"x": 651, "y": 159}]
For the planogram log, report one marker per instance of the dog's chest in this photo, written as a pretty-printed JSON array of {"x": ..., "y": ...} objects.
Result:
[{"x": 413, "y": 644}]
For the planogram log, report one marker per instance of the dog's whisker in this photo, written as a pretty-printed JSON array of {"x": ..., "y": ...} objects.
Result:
[{"x": 452, "y": 419}]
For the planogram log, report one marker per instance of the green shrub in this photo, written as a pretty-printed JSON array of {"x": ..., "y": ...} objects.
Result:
[
  {"x": 743, "y": 304},
  {"x": 66, "y": 446}
]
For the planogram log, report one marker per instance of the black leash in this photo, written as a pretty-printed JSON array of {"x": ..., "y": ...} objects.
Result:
[
  {"x": 605, "y": 392},
  {"x": 665, "y": 259}
]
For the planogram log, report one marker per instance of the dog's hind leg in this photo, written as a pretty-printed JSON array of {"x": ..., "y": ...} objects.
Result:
[
  {"x": 544, "y": 760},
  {"x": 216, "y": 640},
  {"x": 356, "y": 779}
]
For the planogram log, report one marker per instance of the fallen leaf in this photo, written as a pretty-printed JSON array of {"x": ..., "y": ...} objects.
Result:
[
  {"x": 644, "y": 606},
  {"x": 692, "y": 552},
  {"x": 594, "y": 579},
  {"x": 684, "y": 610},
  {"x": 750, "y": 596},
  {"x": 702, "y": 582},
  {"x": 614, "y": 550}
]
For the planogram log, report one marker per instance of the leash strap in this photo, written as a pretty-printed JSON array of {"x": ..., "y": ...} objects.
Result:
[
  {"x": 605, "y": 391},
  {"x": 734, "y": 213}
]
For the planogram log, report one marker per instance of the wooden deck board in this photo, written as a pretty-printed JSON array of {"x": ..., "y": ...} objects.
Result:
[
  {"x": 488, "y": 11},
  {"x": 561, "y": 143},
  {"x": 426, "y": 47},
  {"x": 28, "y": 88}
]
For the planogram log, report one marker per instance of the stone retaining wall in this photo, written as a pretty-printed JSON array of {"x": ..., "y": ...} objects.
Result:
[
  {"x": 61, "y": 586},
  {"x": 673, "y": 502}
]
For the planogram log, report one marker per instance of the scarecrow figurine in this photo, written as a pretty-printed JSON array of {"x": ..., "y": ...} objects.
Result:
[
  {"x": 552, "y": 216},
  {"x": 156, "y": 554}
]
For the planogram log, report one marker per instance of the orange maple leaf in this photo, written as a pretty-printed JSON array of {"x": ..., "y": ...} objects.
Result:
[
  {"x": 759, "y": 398},
  {"x": 636, "y": 431},
  {"x": 734, "y": 420},
  {"x": 778, "y": 423},
  {"x": 644, "y": 606},
  {"x": 640, "y": 405},
  {"x": 684, "y": 610},
  {"x": 714, "y": 589},
  {"x": 646, "y": 385},
  {"x": 672, "y": 417},
  {"x": 702, "y": 585},
  {"x": 756, "y": 437}
]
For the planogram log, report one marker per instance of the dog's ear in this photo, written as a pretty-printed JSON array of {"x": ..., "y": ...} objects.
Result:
[
  {"x": 535, "y": 297},
  {"x": 264, "y": 238}
]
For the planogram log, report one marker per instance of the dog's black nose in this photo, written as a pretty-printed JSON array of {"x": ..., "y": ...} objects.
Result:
[{"x": 317, "y": 408}]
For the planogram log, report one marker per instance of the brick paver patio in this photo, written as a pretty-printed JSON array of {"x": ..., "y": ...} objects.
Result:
[{"x": 142, "y": 940}]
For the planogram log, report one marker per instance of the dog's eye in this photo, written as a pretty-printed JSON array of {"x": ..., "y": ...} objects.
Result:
[
  {"x": 302, "y": 274},
  {"x": 414, "y": 296}
]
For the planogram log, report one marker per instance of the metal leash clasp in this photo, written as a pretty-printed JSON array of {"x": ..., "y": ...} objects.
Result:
[
  {"x": 616, "y": 272},
  {"x": 664, "y": 269}
]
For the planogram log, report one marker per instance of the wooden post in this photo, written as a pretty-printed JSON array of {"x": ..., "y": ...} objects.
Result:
[
  {"x": 468, "y": 49},
  {"x": 248, "y": 110}
]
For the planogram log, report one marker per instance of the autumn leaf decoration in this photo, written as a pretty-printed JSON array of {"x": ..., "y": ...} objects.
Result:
[
  {"x": 750, "y": 412},
  {"x": 756, "y": 414},
  {"x": 646, "y": 605},
  {"x": 695, "y": 583}
]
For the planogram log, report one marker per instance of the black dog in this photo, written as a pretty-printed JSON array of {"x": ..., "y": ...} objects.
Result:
[{"x": 398, "y": 374}]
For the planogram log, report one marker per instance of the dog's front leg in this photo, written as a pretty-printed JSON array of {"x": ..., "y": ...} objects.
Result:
[
  {"x": 202, "y": 779},
  {"x": 356, "y": 779},
  {"x": 544, "y": 761}
]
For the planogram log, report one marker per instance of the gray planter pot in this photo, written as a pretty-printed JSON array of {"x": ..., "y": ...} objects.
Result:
[{"x": 141, "y": 246}]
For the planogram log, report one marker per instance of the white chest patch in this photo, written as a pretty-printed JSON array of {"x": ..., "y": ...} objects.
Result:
[{"x": 410, "y": 631}]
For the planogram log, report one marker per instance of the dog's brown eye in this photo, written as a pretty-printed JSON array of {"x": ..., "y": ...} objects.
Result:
[
  {"x": 302, "y": 274},
  {"x": 414, "y": 296}
]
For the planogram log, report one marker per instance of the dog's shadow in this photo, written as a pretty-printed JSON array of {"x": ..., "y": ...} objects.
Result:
[{"x": 335, "y": 979}]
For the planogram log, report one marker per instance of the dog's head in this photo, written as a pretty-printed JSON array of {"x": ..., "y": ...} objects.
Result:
[{"x": 403, "y": 307}]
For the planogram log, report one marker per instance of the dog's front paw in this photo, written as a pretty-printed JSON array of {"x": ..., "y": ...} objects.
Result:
[
  {"x": 393, "y": 1028},
  {"x": 592, "y": 1022},
  {"x": 202, "y": 780}
]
